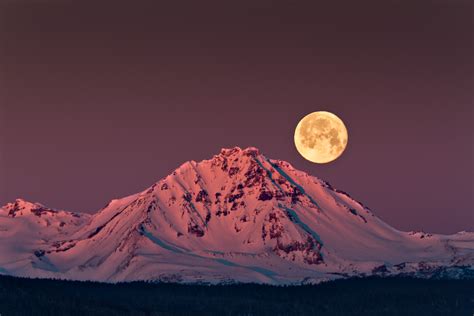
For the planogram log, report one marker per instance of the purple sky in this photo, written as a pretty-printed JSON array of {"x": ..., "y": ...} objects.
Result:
[{"x": 100, "y": 100}]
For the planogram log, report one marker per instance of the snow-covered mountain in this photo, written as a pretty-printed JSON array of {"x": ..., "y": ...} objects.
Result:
[{"x": 236, "y": 217}]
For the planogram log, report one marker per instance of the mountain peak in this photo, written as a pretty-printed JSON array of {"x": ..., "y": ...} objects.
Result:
[
  {"x": 237, "y": 216},
  {"x": 20, "y": 204},
  {"x": 249, "y": 151},
  {"x": 24, "y": 202},
  {"x": 23, "y": 208}
]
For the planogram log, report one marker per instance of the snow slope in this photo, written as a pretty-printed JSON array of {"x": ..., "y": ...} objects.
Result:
[{"x": 236, "y": 217}]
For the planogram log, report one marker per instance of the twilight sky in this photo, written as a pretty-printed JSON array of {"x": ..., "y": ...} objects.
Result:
[{"x": 99, "y": 100}]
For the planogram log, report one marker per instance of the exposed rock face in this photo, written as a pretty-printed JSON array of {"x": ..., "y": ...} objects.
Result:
[{"x": 237, "y": 216}]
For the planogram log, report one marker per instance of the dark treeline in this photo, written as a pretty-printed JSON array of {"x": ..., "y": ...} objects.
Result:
[{"x": 369, "y": 296}]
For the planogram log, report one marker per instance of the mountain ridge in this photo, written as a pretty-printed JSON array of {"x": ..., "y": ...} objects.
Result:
[{"x": 237, "y": 217}]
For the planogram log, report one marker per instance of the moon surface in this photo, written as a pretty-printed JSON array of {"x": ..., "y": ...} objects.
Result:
[{"x": 321, "y": 137}]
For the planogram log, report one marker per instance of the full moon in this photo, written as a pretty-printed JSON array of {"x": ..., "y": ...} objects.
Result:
[{"x": 321, "y": 137}]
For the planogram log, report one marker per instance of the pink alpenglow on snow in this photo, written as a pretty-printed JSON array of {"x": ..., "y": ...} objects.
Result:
[{"x": 237, "y": 217}]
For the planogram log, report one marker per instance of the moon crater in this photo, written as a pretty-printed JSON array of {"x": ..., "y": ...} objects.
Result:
[{"x": 321, "y": 137}]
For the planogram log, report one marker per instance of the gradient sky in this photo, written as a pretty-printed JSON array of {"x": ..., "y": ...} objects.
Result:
[{"x": 100, "y": 100}]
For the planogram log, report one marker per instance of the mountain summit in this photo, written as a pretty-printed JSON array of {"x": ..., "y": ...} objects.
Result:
[{"x": 238, "y": 216}]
